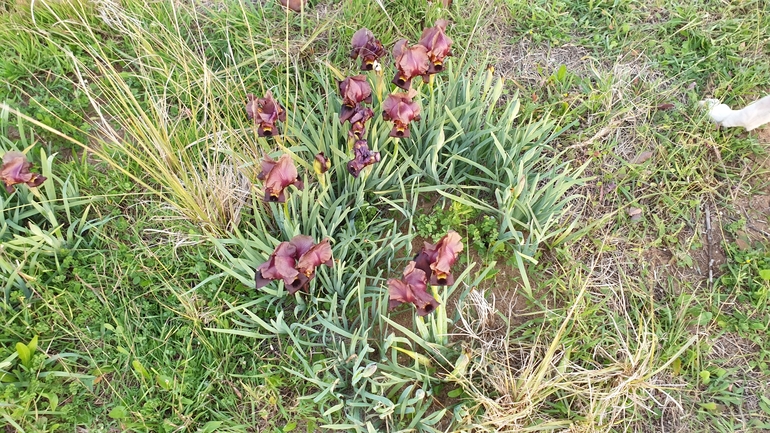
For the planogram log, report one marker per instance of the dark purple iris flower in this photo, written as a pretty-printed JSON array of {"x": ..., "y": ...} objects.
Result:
[
  {"x": 410, "y": 62},
  {"x": 401, "y": 110},
  {"x": 354, "y": 92},
  {"x": 362, "y": 158},
  {"x": 438, "y": 45}
]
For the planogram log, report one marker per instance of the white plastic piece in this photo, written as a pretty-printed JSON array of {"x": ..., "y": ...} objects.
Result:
[{"x": 752, "y": 116}]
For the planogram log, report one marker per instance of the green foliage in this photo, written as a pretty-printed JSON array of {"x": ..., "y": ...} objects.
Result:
[{"x": 37, "y": 73}]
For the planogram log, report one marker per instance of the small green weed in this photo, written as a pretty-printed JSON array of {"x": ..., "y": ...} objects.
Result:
[{"x": 480, "y": 231}]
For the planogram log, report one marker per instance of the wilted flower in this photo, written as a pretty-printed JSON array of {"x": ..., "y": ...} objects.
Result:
[
  {"x": 294, "y": 262},
  {"x": 400, "y": 109},
  {"x": 438, "y": 45},
  {"x": 410, "y": 62},
  {"x": 366, "y": 46},
  {"x": 321, "y": 164},
  {"x": 15, "y": 170},
  {"x": 363, "y": 157},
  {"x": 277, "y": 175},
  {"x": 358, "y": 120},
  {"x": 354, "y": 91},
  {"x": 436, "y": 260},
  {"x": 265, "y": 112},
  {"x": 412, "y": 288}
]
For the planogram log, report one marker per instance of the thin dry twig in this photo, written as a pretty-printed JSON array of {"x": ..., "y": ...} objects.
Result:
[{"x": 614, "y": 124}]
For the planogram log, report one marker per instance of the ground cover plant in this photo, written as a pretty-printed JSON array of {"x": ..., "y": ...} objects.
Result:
[{"x": 396, "y": 216}]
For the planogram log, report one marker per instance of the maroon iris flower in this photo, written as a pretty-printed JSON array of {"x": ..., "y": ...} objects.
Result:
[
  {"x": 295, "y": 263},
  {"x": 362, "y": 158},
  {"x": 366, "y": 46},
  {"x": 15, "y": 170},
  {"x": 410, "y": 62},
  {"x": 400, "y": 109},
  {"x": 265, "y": 112},
  {"x": 277, "y": 176},
  {"x": 354, "y": 91},
  {"x": 436, "y": 260},
  {"x": 438, "y": 45},
  {"x": 412, "y": 289}
]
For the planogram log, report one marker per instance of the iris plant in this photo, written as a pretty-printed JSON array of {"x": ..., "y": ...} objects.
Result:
[
  {"x": 295, "y": 262},
  {"x": 355, "y": 92}
]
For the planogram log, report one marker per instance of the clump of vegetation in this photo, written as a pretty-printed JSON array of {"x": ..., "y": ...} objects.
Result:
[{"x": 225, "y": 148}]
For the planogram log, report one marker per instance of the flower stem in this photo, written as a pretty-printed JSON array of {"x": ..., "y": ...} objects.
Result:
[{"x": 395, "y": 148}]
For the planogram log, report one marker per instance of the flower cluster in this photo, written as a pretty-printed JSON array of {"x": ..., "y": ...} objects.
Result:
[
  {"x": 294, "y": 262},
  {"x": 432, "y": 265},
  {"x": 15, "y": 170},
  {"x": 355, "y": 92},
  {"x": 425, "y": 58}
]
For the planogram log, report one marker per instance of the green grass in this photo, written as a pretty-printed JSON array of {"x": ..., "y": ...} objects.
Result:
[{"x": 128, "y": 293}]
